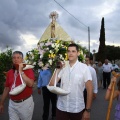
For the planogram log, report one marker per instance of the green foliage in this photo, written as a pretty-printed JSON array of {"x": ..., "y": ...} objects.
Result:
[
  {"x": 113, "y": 53},
  {"x": 5, "y": 65},
  {"x": 101, "y": 55},
  {"x": 32, "y": 57}
]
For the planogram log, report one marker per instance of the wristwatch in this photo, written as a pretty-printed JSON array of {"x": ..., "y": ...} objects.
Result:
[{"x": 88, "y": 110}]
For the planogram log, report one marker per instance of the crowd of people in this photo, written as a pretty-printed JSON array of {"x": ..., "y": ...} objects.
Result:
[{"x": 82, "y": 80}]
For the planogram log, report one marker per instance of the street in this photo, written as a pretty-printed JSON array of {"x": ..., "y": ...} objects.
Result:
[{"x": 98, "y": 110}]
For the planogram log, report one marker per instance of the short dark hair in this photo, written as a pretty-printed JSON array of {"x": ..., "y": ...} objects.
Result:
[
  {"x": 17, "y": 52},
  {"x": 74, "y": 45},
  {"x": 90, "y": 56},
  {"x": 87, "y": 56}
]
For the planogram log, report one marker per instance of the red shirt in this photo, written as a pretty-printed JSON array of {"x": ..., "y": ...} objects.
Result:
[{"x": 10, "y": 80}]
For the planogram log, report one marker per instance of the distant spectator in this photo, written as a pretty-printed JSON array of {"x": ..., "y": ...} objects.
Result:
[
  {"x": 92, "y": 64},
  {"x": 99, "y": 70},
  {"x": 94, "y": 76},
  {"x": 107, "y": 68}
]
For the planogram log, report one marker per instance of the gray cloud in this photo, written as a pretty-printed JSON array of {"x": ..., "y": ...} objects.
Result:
[{"x": 32, "y": 16}]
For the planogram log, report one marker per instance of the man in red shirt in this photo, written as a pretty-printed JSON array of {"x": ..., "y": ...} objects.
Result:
[{"x": 21, "y": 104}]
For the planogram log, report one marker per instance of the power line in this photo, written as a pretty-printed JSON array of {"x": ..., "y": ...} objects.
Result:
[
  {"x": 79, "y": 22},
  {"x": 71, "y": 14}
]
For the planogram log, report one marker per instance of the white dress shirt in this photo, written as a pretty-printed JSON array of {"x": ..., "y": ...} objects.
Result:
[
  {"x": 94, "y": 79},
  {"x": 107, "y": 68},
  {"x": 73, "y": 79}
]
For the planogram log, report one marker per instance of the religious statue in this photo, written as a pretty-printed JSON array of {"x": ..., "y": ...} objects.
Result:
[{"x": 53, "y": 15}]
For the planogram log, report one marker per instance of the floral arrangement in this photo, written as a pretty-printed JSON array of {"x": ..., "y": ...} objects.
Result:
[{"x": 49, "y": 52}]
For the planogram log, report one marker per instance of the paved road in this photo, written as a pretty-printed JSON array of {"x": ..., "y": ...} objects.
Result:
[{"x": 99, "y": 107}]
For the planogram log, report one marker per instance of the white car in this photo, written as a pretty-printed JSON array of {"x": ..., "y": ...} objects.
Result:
[{"x": 115, "y": 67}]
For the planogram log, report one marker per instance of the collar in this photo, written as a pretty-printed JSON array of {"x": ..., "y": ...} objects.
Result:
[{"x": 74, "y": 64}]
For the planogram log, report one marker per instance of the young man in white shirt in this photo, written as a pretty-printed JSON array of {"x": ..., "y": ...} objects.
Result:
[
  {"x": 94, "y": 76},
  {"x": 74, "y": 78}
]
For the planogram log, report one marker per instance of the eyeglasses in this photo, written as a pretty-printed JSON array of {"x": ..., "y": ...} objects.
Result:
[{"x": 16, "y": 57}]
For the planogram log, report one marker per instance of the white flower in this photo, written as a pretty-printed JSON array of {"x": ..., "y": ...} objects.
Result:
[
  {"x": 60, "y": 56},
  {"x": 53, "y": 45},
  {"x": 34, "y": 63},
  {"x": 57, "y": 45},
  {"x": 50, "y": 61},
  {"x": 41, "y": 56},
  {"x": 51, "y": 51},
  {"x": 47, "y": 48}
]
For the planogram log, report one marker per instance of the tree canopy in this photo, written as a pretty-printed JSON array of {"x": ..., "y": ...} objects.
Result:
[
  {"x": 5, "y": 65},
  {"x": 112, "y": 53}
]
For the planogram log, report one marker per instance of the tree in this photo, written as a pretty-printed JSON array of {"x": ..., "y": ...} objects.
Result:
[
  {"x": 101, "y": 55},
  {"x": 113, "y": 53},
  {"x": 5, "y": 65}
]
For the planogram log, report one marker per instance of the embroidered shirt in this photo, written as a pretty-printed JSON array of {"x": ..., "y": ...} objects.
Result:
[
  {"x": 94, "y": 79},
  {"x": 73, "y": 79}
]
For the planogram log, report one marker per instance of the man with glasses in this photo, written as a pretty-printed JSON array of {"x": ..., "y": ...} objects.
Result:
[{"x": 21, "y": 104}]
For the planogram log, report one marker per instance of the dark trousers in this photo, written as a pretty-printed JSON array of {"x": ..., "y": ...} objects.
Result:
[
  {"x": 106, "y": 78},
  {"x": 47, "y": 98},
  {"x": 61, "y": 115}
]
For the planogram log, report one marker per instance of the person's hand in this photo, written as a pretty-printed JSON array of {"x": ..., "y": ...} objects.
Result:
[
  {"x": 1, "y": 108},
  {"x": 113, "y": 79},
  {"x": 21, "y": 66},
  {"x": 86, "y": 115},
  {"x": 39, "y": 91},
  {"x": 60, "y": 64}
]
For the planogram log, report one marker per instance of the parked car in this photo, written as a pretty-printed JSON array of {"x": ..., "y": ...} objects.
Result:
[{"x": 115, "y": 67}]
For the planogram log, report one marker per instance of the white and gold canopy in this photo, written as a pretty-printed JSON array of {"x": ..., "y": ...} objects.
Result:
[{"x": 60, "y": 34}]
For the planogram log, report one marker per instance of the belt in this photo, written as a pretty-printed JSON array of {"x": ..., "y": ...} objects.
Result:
[{"x": 18, "y": 101}]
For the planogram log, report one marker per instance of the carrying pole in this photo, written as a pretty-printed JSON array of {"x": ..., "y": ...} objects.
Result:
[{"x": 112, "y": 95}]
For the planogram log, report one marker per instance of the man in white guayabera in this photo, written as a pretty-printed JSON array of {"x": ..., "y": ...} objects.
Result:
[
  {"x": 74, "y": 78},
  {"x": 18, "y": 85},
  {"x": 94, "y": 79}
]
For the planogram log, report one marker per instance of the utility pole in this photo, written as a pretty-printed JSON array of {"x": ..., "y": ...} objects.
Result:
[
  {"x": 89, "y": 40},
  {"x": 79, "y": 22}
]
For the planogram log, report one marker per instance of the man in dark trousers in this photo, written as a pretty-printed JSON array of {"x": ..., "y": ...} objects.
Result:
[
  {"x": 107, "y": 68},
  {"x": 43, "y": 80}
]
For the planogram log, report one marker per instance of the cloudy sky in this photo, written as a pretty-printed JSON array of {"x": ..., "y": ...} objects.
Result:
[{"x": 22, "y": 22}]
